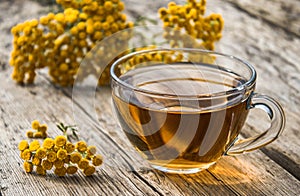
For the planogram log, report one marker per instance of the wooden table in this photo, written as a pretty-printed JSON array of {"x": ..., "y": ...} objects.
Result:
[{"x": 266, "y": 33}]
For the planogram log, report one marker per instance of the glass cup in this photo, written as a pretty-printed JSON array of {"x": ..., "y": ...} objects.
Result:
[{"x": 183, "y": 109}]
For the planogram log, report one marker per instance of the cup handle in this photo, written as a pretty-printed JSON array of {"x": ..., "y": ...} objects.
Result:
[{"x": 277, "y": 117}]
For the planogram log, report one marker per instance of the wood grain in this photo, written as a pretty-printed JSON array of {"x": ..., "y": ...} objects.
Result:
[
  {"x": 273, "y": 53},
  {"x": 285, "y": 14}
]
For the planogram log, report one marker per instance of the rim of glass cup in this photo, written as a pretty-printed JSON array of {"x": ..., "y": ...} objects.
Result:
[{"x": 247, "y": 85}]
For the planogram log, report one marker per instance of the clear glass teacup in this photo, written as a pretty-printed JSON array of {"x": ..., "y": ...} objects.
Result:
[{"x": 183, "y": 109}]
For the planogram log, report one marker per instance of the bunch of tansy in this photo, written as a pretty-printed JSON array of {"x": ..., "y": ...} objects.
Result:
[
  {"x": 186, "y": 25},
  {"x": 39, "y": 130},
  {"x": 59, "y": 154},
  {"x": 61, "y": 41}
]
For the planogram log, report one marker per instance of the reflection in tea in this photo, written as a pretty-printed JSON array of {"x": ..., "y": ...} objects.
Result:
[{"x": 186, "y": 132}]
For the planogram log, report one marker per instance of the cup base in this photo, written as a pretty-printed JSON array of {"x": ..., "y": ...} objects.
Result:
[{"x": 181, "y": 170}]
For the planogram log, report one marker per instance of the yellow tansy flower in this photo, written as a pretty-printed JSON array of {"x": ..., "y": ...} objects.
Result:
[
  {"x": 62, "y": 154},
  {"x": 43, "y": 128},
  {"x": 121, "y": 6},
  {"x": 108, "y": 5},
  {"x": 23, "y": 145},
  {"x": 41, "y": 153},
  {"x": 75, "y": 157},
  {"x": 48, "y": 143},
  {"x": 29, "y": 134},
  {"x": 40, "y": 170},
  {"x": 35, "y": 124},
  {"x": 38, "y": 135},
  {"x": 60, "y": 141},
  {"x": 83, "y": 163},
  {"x": 91, "y": 150},
  {"x": 81, "y": 146},
  {"x": 26, "y": 155},
  {"x": 69, "y": 147},
  {"x": 67, "y": 159},
  {"x": 71, "y": 169},
  {"x": 36, "y": 160},
  {"x": 97, "y": 160},
  {"x": 60, "y": 171},
  {"x": 47, "y": 165},
  {"x": 89, "y": 170},
  {"x": 28, "y": 167},
  {"x": 81, "y": 26},
  {"x": 51, "y": 156},
  {"x": 60, "y": 17},
  {"x": 58, "y": 163},
  {"x": 34, "y": 145},
  {"x": 56, "y": 148}
]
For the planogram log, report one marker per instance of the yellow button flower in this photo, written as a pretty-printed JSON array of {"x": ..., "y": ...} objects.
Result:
[
  {"x": 60, "y": 141},
  {"x": 23, "y": 145},
  {"x": 81, "y": 26},
  {"x": 56, "y": 148},
  {"x": 108, "y": 5},
  {"x": 38, "y": 135},
  {"x": 60, "y": 171},
  {"x": 44, "y": 20},
  {"x": 81, "y": 146},
  {"x": 75, "y": 157},
  {"x": 51, "y": 156},
  {"x": 62, "y": 154},
  {"x": 69, "y": 147},
  {"x": 63, "y": 67},
  {"x": 28, "y": 167},
  {"x": 34, "y": 145},
  {"x": 97, "y": 25},
  {"x": 40, "y": 170},
  {"x": 48, "y": 143},
  {"x": 58, "y": 163},
  {"x": 67, "y": 159},
  {"x": 41, "y": 153},
  {"x": 60, "y": 17},
  {"x": 90, "y": 29},
  {"x": 35, "y": 124},
  {"x": 74, "y": 31},
  {"x": 47, "y": 165},
  {"x": 97, "y": 160},
  {"x": 91, "y": 150},
  {"x": 89, "y": 170},
  {"x": 72, "y": 169},
  {"x": 26, "y": 155},
  {"x": 121, "y": 6},
  {"x": 36, "y": 160},
  {"x": 43, "y": 128},
  {"x": 83, "y": 163}
]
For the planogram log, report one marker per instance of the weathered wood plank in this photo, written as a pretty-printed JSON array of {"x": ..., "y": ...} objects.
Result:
[
  {"x": 274, "y": 54},
  {"x": 283, "y": 13}
]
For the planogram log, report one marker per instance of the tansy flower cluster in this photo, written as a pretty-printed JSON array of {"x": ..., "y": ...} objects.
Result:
[
  {"x": 60, "y": 155},
  {"x": 60, "y": 41},
  {"x": 162, "y": 57},
  {"x": 40, "y": 130},
  {"x": 155, "y": 57},
  {"x": 184, "y": 22}
]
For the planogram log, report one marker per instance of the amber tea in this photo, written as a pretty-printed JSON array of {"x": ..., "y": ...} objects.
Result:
[
  {"x": 175, "y": 133},
  {"x": 183, "y": 116}
]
